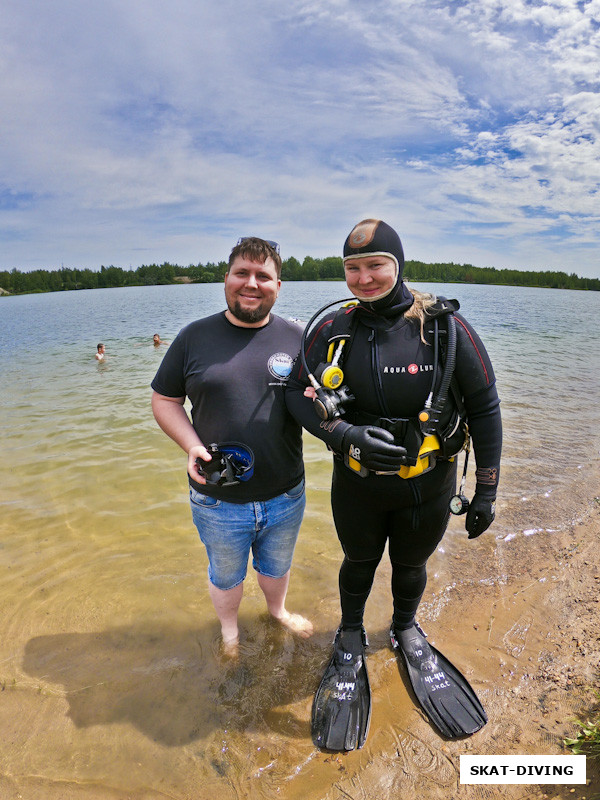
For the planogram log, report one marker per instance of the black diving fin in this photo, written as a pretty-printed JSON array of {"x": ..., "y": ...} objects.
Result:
[
  {"x": 441, "y": 689},
  {"x": 341, "y": 709}
]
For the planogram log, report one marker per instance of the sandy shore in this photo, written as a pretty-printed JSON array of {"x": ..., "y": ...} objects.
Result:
[{"x": 533, "y": 655}]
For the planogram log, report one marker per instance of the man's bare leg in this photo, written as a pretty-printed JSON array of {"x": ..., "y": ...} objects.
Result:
[
  {"x": 275, "y": 591},
  {"x": 227, "y": 603}
]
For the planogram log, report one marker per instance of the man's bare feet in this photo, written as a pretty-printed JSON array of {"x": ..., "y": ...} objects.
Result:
[
  {"x": 296, "y": 624},
  {"x": 231, "y": 646}
]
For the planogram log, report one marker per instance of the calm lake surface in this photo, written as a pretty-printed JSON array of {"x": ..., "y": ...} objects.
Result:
[{"x": 109, "y": 643}]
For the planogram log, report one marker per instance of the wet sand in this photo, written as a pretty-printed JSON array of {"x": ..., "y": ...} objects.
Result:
[{"x": 152, "y": 708}]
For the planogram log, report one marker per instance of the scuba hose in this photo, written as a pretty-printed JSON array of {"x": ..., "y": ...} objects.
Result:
[
  {"x": 328, "y": 402},
  {"x": 429, "y": 417},
  {"x": 330, "y": 394},
  {"x": 459, "y": 503}
]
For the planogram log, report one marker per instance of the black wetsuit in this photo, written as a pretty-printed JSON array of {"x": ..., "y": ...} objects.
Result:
[{"x": 389, "y": 370}]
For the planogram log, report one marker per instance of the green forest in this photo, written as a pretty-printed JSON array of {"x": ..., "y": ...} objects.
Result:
[{"x": 311, "y": 269}]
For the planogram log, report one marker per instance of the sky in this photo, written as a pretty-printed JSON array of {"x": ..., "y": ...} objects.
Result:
[{"x": 143, "y": 131}]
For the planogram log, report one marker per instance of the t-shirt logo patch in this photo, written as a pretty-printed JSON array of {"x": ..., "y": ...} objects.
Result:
[{"x": 280, "y": 365}]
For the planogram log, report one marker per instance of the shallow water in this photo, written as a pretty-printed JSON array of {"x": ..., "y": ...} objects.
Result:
[{"x": 109, "y": 654}]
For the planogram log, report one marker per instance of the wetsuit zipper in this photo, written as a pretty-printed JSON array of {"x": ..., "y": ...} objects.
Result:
[{"x": 377, "y": 374}]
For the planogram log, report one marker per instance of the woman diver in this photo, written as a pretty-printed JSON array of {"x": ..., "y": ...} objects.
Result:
[{"x": 395, "y": 384}]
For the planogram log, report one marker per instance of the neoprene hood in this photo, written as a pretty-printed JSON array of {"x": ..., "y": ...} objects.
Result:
[{"x": 373, "y": 236}]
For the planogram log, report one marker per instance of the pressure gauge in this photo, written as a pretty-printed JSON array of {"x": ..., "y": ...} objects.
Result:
[{"x": 459, "y": 504}]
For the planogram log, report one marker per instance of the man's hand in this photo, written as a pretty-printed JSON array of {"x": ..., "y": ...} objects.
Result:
[
  {"x": 480, "y": 515},
  {"x": 373, "y": 448},
  {"x": 198, "y": 451},
  {"x": 174, "y": 421}
]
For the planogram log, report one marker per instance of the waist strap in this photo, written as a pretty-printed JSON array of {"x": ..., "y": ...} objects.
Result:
[
  {"x": 425, "y": 461},
  {"x": 406, "y": 432}
]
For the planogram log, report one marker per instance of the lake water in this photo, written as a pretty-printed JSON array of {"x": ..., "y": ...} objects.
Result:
[{"x": 109, "y": 644}]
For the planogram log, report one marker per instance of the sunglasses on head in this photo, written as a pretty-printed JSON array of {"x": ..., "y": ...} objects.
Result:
[{"x": 274, "y": 245}]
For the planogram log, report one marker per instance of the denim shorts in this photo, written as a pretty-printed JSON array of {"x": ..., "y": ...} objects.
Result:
[{"x": 230, "y": 530}]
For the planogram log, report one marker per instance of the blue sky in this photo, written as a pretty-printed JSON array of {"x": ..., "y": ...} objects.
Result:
[{"x": 140, "y": 131}]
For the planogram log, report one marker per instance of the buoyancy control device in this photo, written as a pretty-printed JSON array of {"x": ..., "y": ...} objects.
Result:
[{"x": 438, "y": 434}]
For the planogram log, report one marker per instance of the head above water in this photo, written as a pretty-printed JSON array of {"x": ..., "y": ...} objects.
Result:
[{"x": 370, "y": 238}]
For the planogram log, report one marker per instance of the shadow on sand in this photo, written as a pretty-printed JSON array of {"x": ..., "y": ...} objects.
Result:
[{"x": 173, "y": 684}]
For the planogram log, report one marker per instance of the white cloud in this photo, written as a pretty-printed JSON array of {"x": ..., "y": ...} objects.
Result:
[{"x": 135, "y": 131}]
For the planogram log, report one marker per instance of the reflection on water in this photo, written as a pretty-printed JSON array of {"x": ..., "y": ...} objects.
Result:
[{"x": 109, "y": 654}]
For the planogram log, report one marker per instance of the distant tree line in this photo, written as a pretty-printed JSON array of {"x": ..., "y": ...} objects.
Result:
[{"x": 311, "y": 269}]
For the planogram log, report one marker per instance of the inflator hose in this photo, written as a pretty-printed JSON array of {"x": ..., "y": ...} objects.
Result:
[
  {"x": 305, "y": 334},
  {"x": 430, "y": 427}
]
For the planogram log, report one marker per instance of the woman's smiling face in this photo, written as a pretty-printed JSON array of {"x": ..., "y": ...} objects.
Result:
[{"x": 370, "y": 277}]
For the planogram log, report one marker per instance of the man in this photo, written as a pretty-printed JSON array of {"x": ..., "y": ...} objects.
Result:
[{"x": 233, "y": 366}]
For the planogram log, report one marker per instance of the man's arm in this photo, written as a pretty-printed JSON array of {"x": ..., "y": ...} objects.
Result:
[{"x": 172, "y": 418}]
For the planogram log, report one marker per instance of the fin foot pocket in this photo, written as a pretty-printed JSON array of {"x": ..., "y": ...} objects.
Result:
[
  {"x": 442, "y": 691},
  {"x": 341, "y": 708}
]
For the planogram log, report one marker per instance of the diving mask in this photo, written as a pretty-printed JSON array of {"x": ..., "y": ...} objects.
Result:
[{"x": 230, "y": 464}]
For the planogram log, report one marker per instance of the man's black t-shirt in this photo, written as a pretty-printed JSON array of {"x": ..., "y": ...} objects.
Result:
[{"x": 235, "y": 378}]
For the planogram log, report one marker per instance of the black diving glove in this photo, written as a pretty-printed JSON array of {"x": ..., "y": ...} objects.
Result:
[
  {"x": 373, "y": 448},
  {"x": 480, "y": 515}
]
